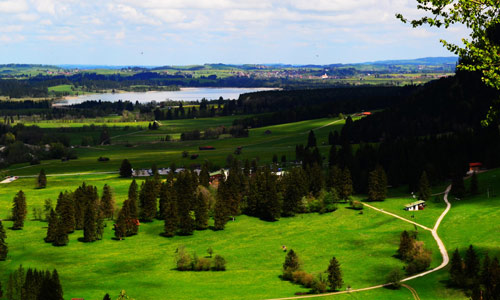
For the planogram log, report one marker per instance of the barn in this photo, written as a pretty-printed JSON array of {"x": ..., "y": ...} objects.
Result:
[{"x": 419, "y": 205}]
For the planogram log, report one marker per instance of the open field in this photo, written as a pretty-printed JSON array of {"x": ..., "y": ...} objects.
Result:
[
  {"x": 281, "y": 141},
  {"x": 251, "y": 247}
]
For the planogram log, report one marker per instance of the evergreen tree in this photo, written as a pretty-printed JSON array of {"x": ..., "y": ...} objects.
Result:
[
  {"x": 346, "y": 188},
  {"x": 405, "y": 246},
  {"x": 61, "y": 235},
  {"x": 311, "y": 140},
  {"x": 424, "y": 188},
  {"x": 53, "y": 223},
  {"x": 221, "y": 211},
  {"x": 201, "y": 209},
  {"x": 89, "y": 225},
  {"x": 332, "y": 156},
  {"x": 472, "y": 265},
  {"x": 377, "y": 184},
  {"x": 147, "y": 199},
  {"x": 458, "y": 186},
  {"x": 19, "y": 211},
  {"x": 107, "y": 202},
  {"x": 486, "y": 274},
  {"x": 294, "y": 190},
  {"x": 457, "y": 270},
  {"x": 66, "y": 211},
  {"x": 291, "y": 264},
  {"x": 126, "y": 169},
  {"x": 4, "y": 249},
  {"x": 270, "y": 208},
  {"x": 334, "y": 274},
  {"x": 122, "y": 221},
  {"x": 474, "y": 185},
  {"x": 170, "y": 213},
  {"x": 41, "y": 179},
  {"x": 334, "y": 179},
  {"x": 246, "y": 168},
  {"x": 106, "y": 297},
  {"x": 185, "y": 198},
  {"x": 51, "y": 287},
  {"x": 316, "y": 181},
  {"x": 132, "y": 197},
  {"x": 204, "y": 176}
]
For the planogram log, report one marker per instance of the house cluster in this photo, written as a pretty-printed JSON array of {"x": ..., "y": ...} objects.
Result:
[{"x": 162, "y": 171}]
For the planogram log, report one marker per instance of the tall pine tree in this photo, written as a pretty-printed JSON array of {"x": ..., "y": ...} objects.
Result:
[
  {"x": 66, "y": 211},
  {"x": 457, "y": 275},
  {"x": 4, "y": 249},
  {"x": 201, "y": 208},
  {"x": 424, "y": 188},
  {"x": 19, "y": 210},
  {"x": 334, "y": 274},
  {"x": 53, "y": 224},
  {"x": 185, "y": 198},
  {"x": 41, "y": 181},
  {"x": 107, "y": 202}
]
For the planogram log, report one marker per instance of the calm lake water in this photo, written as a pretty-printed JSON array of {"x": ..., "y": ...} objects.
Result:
[{"x": 186, "y": 94}]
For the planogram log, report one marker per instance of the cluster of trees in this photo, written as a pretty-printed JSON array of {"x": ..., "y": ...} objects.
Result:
[
  {"x": 186, "y": 262},
  {"x": 214, "y": 133},
  {"x": 277, "y": 107},
  {"x": 33, "y": 284},
  {"x": 292, "y": 271},
  {"x": 413, "y": 252},
  {"x": 80, "y": 210},
  {"x": 478, "y": 281}
]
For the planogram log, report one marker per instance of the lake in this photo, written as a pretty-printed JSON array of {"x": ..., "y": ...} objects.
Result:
[{"x": 185, "y": 94}]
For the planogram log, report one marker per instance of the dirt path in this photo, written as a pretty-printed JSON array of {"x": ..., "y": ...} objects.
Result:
[
  {"x": 70, "y": 174},
  {"x": 434, "y": 230},
  {"x": 412, "y": 290}
]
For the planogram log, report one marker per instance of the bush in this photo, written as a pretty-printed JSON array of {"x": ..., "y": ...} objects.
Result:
[
  {"x": 103, "y": 158},
  {"x": 319, "y": 285},
  {"x": 356, "y": 205},
  {"x": 297, "y": 276},
  {"x": 203, "y": 264},
  {"x": 183, "y": 260},
  {"x": 395, "y": 277},
  {"x": 219, "y": 263}
]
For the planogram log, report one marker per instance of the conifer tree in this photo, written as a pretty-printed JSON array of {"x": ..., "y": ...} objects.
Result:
[
  {"x": 66, "y": 211},
  {"x": 19, "y": 210},
  {"x": 458, "y": 186},
  {"x": 107, "y": 202},
  {"x": 204, "y": 176},
  {"x": 61, "y": 235},
  {"x": 405, "y": 246},
  {"x": 80, "y": 203},
  {"x": 170, "y": 213},
  {"x": 132, "y": 197},
  {"x": 41, "y": 181},
  {"x": 246, "y": 168},
  {"x": 291, "y": 264},
  {"x": 334, "y": 274},
  {"x": 377, "y": 184},
  {"x": 424, "y": 188},
  {"x": 486, "y": 274},
  {"x": 185, "y": 197},
  {"x": 294, "y": 190},
  {"x": 332, "y": 156},
  {"x": 106, "y": 297},
  {"x": 311, "y": 140},
  {"x": 346, "y": 189},
  {"x": 122, "y": 220},
  {"x": 221, "y": 213},
  {"x": 201, "y": 208},
  {"x": 474, "y": 185},
  {"x": 472, "y": 265},
  {"x": 316, "y": 181},
  {"x": 52, "y": 227},
  {"x": 89, "y": 225},
  {"x": 126, "y": 169},
  {"x": 334, "y": 179},
  {"x": 457, "y": 270},
  {"x": 147, "y": 198},
  {"x": 270, "y": 208},
  {"x": 4, "y": 249}
]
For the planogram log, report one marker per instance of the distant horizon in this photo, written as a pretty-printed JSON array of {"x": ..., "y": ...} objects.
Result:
[{"x": 235, "y": 64}]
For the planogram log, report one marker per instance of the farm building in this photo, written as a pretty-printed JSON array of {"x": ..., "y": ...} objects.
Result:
[
  {"x": 201, "y": 148},
  {"x": 419, "y": 205},
  {"x": 474, "y": 167}
]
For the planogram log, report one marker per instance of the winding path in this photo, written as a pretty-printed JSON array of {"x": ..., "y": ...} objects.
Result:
[{"x": 434, "y": 230}]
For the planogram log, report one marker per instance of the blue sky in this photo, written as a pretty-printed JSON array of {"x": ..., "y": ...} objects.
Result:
[{"x": 181, "y": 32}]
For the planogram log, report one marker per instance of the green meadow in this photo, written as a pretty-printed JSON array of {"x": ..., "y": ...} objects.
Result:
[{"x": 143, "y": 265}]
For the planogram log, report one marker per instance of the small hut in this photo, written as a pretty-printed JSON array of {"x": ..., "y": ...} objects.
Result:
[{"x": 419, "y": 205}]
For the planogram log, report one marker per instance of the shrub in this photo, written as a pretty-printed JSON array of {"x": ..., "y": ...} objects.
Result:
[
  {"x": 319, "y": 285},
  {"x": 297, "y": 276},
  {"x": 307, "y": 280},
  {"x": 183, "y": 260},
  {"x": 395, "y": 277},
  {"x": 101, "y": 158},
  {"x": 203, "y": 264},
  {"x": 219, "y": 263},
  {"x": 356, "y": 205}
]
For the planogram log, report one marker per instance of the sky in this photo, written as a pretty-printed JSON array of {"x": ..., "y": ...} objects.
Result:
[{"x": 184, "y": 32}]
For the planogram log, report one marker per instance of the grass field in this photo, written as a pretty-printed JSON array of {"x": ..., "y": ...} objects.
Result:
[
  {"x": 143, "y": 264},
  {"x": 281, "y": 141}
]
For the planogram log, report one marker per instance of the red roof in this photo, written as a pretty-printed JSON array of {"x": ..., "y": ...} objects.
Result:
[
  {"x": 366, "y": 113},
  {"x": 476, "y": 164}
]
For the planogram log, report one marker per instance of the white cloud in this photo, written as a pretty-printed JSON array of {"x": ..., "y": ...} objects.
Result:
[
  {"x": 120, "y": 35},
  {"x": 11, "y": 28},
  {"x": 13, "y": 6},
  {"x": 130, "y": 14},
  {"x": 58, "y": 38},
  {"x": 11, "y": 38},
  {"x": 27, "y": 17},
  {"x": 167, "y": 15}
]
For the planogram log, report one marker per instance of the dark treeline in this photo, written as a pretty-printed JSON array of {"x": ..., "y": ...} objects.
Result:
[
  {"x": 298, "y": 105},
  {"x": 33, "y": 284}
]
